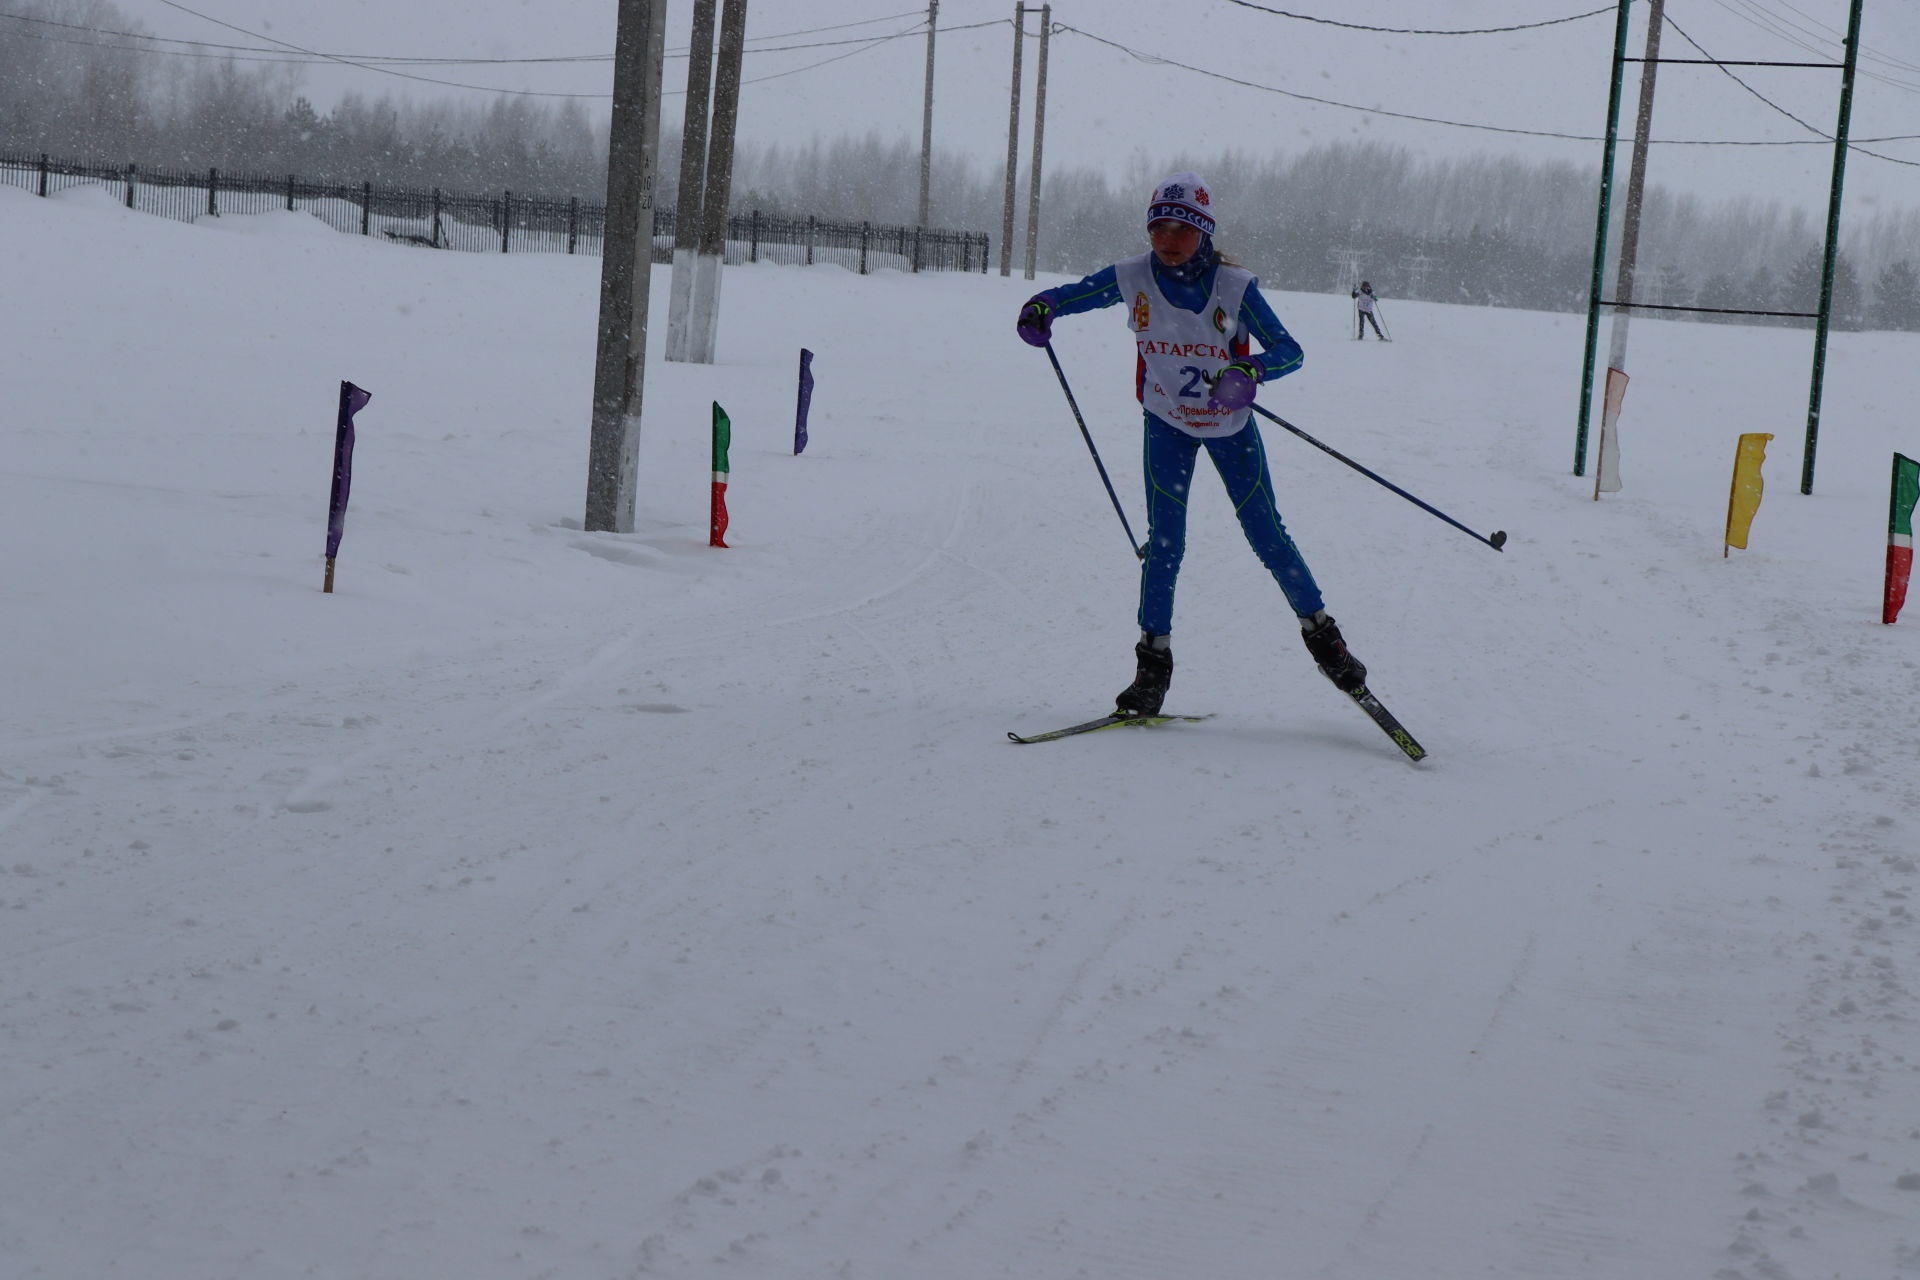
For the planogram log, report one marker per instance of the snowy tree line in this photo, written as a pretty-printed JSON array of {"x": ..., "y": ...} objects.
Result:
[{"x": 1492, "y": 230}]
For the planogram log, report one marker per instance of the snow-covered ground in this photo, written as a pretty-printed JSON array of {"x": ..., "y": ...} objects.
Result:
[{"x": 551, "y": 903}]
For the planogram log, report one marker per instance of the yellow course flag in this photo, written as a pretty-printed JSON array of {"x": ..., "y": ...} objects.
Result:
[{"x": 1747, "y": 487}]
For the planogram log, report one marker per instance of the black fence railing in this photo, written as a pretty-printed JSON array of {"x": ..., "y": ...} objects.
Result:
[{"x": 504, "y": 223}]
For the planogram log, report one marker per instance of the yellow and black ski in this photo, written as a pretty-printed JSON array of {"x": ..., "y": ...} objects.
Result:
[
  {"x": 1104, "y": 722},
  {"x": 1390, "y": 726}
]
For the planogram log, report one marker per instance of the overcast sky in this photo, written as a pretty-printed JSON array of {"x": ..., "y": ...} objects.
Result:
[{"x": 1105, "y": 105}]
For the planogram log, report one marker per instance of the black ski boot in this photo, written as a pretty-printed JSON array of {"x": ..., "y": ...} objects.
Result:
[
  {"x": 1329, "y": 649},
  {"x": 1149, "y": 688}
]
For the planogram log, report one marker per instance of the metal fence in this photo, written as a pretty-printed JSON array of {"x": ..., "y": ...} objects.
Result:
[{"x": 504, "y": 223}]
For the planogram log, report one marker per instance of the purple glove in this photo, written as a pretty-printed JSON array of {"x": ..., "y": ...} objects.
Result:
[
  {"x": 1035, "y": 325},
  {"x": 1234, "y": 388}
]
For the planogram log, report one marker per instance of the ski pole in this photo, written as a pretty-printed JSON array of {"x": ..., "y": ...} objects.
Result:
[
  {"x": 1497, "y": 541},
  {"x": 1139, "y": 552},
  {"x": 1380, "y": 318}
]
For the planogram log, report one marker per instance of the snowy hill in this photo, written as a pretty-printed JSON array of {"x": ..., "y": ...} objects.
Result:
[{"x": 546, "y": 903}]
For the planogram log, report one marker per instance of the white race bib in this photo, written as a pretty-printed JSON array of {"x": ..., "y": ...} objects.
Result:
[{"x": 1181, "y": 352}]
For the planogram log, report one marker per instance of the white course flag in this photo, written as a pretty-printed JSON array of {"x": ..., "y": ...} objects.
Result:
[{"x": 1606, "y": 476}]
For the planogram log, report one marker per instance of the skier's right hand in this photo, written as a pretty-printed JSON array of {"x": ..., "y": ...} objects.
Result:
[{"x": 1035, "y": 325}]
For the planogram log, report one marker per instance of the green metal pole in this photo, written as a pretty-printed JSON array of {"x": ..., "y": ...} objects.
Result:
[
  {"x": 1833, "y": 249},
  {"x": 1600, "y": 237}
]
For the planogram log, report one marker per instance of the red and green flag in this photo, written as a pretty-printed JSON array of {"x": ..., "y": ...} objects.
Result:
[
  {"x": 1906, "y": 492},
  {"x": 717, "y": 512}
]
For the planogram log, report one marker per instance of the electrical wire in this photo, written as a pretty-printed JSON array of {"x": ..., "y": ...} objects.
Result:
[
  {"x": 1810, "y": 128},
  {"x": 1799, "y": 37},
  {"x": 1417, "y": 31},
  {"x": 400, "y": 60},
  {"x": 385, "y": 64},
  {"x": 778, "y": 75},
  {"x": 1754, "y": 15},
  {"x": 1151, "y": 58},
  {"x": 294, "y": 55},
  {"x": 371, "y": 66},
  {"x": 1140, "y": 55}
]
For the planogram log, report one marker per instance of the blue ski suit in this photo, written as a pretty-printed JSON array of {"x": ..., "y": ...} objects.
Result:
[{"x": 1240, "y": 458}]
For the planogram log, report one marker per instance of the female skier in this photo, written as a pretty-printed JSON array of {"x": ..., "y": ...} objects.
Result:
[
  {"x": 1363, "y": 304},
  {"x": 1190, "y": 311}
]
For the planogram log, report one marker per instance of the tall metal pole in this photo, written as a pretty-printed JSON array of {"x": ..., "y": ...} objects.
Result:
[
  {"x": 1636, "y": 187},
  {"x": 713, "y": 210},
  {"x": 693, "y": 176},
  {"x": 1833, "y": 248},
  {"x": 1039, "y": 131},
  {"x": 1600, "y": 237},
  {"x": 1013, "y": 142},
  {"x": 620, "y": 360},
  {"x": 926, "y": 117}
]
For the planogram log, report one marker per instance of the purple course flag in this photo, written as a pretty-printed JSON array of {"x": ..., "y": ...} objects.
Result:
[
  {"x": 806, "y": 401},
  {"x": 352, "y": 401}
]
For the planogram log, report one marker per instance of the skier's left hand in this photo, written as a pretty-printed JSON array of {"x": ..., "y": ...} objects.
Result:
[{"x": 1234, "y": 388}]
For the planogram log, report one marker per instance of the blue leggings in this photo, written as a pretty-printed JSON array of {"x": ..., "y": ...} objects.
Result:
[{"x": 1241, "y": 460}]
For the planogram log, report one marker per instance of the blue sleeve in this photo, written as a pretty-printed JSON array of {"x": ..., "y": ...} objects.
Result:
[
  {"x": 1281, "y": 355},
  {"x": 1101, "y": 289}
]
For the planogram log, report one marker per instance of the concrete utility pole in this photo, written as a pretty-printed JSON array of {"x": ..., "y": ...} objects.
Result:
[
  {"x": 926, "y": 118},
  {"x": 1636, "y": 188},
  {"x": 705, "y": 313},
  {"x": 693, "y": 176},
  {"x": 1013, "y": 142},
  {"x": 620, "y": 362},
  {"x": 1039, "y": 130}
]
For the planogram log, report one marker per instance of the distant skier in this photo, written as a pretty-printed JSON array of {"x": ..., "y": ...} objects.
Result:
[
  {"x": 1190, "y": 311},
  {"x": 1363, "y": 302}
]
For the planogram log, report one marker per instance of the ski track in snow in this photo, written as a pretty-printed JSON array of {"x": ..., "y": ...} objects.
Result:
[{"x": 554, "y": 903}]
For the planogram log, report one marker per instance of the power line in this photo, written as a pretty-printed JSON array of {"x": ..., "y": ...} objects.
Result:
[
  {"x": 1835, "y": 36},
  {"x": 1799, "y": 37},
  {"x": 838, "y": 26},
  {"x": 1763, "y": 20},
  {"x": 451, "y": 62},
  {"x": 811, "y": 66},
  {"x": 1813, "y": 129},
  {"x": 1824, "y": 35},
  {"x": 1681, "y": 32},
  {"x": 1416, "y": 31},
  {"x": 130, "y": 35},
  {"x": 1813, "y": 42},
  {"x": 291, "y": 54},
  {"x": 243, "y": 53},
  {"x": 370, "y": 66},
  {"x": 1143, "y": 56},
  {"x": 385, "y": 64}
]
